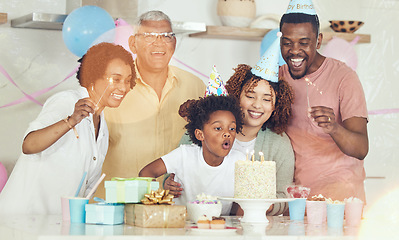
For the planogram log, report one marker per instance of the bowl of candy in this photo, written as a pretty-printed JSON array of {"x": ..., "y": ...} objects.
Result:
[
  {"x": 347, "y": 26},
  {"x": 204, "y": 205}
]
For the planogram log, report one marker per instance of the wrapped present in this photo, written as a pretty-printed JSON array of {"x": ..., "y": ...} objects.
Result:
[
  {"x": 156, "y": 212},
  {"x": 128, "y": 190},
  {"x": 104, "y": 213}
]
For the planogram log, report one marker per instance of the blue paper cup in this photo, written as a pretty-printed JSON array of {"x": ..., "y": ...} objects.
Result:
[
  {"x": 77, "y": 209},
  {"x": 297, "y": 209},
  {"x": 335, "y": 215}
]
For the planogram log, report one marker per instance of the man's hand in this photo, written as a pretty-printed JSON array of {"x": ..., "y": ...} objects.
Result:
[{"x": 324, "y": 117}]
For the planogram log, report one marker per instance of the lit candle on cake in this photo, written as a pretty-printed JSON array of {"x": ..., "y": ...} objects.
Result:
[
  {"x": 262, "y": 157},
  {"x": 247, "y": 154},
  {"x": 253, "y": 156}
]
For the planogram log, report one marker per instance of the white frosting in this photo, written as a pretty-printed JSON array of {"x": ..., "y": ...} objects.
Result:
[
  {"x": 330, "y": 201},
  {"x": 203, "y": 196},
  {"x": 353, "y": 199},
  {"x": 255, "y": 180}
]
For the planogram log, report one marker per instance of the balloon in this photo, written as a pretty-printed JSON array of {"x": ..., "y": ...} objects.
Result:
[
  {"x": 119, "y": 35},
  {"x": 84, "y": 25},
  {"x": 3, "y": 176},
  {"x": 342, "y": 50},
  {"x": 119, "y": 22},
  {"x": 267, "y": 41}
]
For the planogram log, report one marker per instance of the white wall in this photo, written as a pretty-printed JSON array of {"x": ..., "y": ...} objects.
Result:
[{"x": 38, "y": 59}]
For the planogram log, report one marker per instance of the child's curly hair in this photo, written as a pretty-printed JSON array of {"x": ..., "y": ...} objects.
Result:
[
  {"x": 200, "y": 110},
  {"x": 244, "y": 80}
]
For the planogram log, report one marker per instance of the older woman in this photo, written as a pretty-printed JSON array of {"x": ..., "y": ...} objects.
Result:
[{"x": 70, "y": 136}]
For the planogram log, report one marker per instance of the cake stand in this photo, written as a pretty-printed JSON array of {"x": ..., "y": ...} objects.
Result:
[{"x": 255, "y": 209}]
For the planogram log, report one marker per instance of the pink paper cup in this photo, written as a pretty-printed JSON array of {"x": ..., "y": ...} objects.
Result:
[
  {"x": 316, "y": 212},
  {"x": 353, "y": 213},
  {"x": 77, "y": 209},
  {"x": 66, "y": 217}
]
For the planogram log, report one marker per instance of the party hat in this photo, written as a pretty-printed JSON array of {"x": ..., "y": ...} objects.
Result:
[
  {"x": 267, "y": 66},
  {"x": 215, "y": 84},
  {"x": 301, "y": 6}
]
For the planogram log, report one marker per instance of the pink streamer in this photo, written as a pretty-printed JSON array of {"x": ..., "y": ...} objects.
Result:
[
  {"x": 384, "y": 111},
  {"x": 40, "y": 92},
  {"x": 33, "y": 95},
  {"x": 4, "y": 72},
  {"x": 192, "y": 69}
]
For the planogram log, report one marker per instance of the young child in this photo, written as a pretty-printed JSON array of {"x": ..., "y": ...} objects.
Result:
[{"x": 207, "y": 166}]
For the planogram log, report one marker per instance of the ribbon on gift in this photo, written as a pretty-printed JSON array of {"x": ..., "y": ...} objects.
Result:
[
  {"x": 120, "y": 185},
  {"x": 159, "y": 196}
]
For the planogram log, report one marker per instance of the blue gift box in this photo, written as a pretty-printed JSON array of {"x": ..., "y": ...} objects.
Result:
[
  {"x": 104, "y": 213},
  {"x": 128, "y": 190}
]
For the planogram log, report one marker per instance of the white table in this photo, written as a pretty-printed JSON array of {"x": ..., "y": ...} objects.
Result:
[{"x": 52, "y": 227}]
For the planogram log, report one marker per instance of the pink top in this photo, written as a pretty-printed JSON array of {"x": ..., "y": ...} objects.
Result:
[{"x": 319, "y": 163}]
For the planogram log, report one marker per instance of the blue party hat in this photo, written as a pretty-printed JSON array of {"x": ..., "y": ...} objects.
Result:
[
  {"x": 267, "y": 66},
  {"x": 301, "y": 6},
  {"x": 215, "y": 84}
]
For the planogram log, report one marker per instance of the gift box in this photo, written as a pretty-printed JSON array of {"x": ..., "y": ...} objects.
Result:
[
  {"x": 155, "y": 216},
  {"x": 128, "y": 190},
  {"x": 104, "y": 213}
]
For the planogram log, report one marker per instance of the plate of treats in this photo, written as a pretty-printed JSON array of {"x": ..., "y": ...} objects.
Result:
[{"x": 216, "y": 225}]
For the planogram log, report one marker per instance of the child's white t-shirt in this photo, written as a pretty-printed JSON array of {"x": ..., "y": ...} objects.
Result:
[{"x": 197, "y": 177}]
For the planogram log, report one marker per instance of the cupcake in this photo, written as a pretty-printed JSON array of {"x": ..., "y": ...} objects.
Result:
[
  {"x": 203, "y": 222},
  {"x": 218, "y": 223}
]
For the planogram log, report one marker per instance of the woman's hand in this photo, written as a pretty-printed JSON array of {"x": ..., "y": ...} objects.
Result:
[
  {"x": 83, "y": 108},
  {"x": 173, "y": 187}
]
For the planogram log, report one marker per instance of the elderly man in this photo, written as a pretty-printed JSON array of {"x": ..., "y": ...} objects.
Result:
[
  {"x": 328, "y": 130},
  {"x": 147, "y": 125}
]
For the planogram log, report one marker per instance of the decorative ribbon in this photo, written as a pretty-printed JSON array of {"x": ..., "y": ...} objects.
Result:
[
  {"x": 192, "y": 69},
  {"x": 383, "y": 111},
  {"x": 159, "y": 196},
  {"x": 165, "y": 216},
  {"x": 32, "y": 96},
  {"x": 36, "y": 94}
]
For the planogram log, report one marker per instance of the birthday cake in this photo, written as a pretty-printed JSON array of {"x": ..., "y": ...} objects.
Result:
[{"x": 255, "y": 180}]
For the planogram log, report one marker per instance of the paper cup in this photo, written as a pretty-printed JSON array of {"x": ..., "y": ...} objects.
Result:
[
  {"x": 335, "y": 215},
  {"x": 77, "y": 229},
  {"x": 77, "y": 209},
  {"x": 65, "y": 209},
  {"x": 353, "y": 213},
  {"x": 297, "y": 209},
  {"x": 316, "y": 212}
]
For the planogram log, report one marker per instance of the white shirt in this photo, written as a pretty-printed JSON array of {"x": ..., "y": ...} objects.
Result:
[
  {"x": 39, "y": 180},
  {"x": 245, "y": 147},
  {"x": 197, "y": 177}
]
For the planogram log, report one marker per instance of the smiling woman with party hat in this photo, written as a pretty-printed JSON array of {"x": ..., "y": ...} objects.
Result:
[
  {"x": 328, "y": 130},
  {"x": 265, "y": 101}
]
